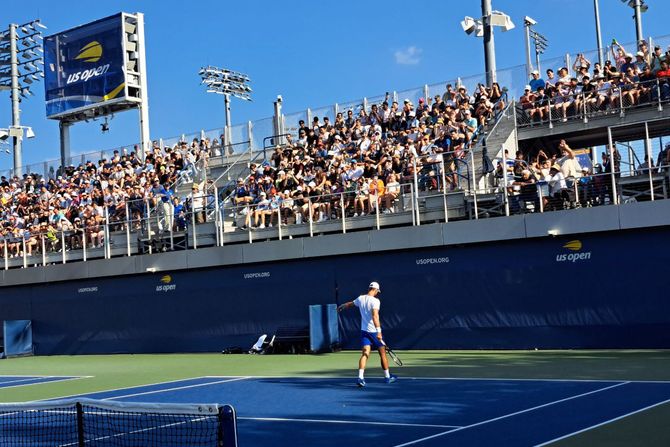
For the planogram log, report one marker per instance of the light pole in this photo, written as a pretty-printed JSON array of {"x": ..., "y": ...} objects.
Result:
[
  {"x": 12, "y": 60},
  {"x": 596, "y": 13},
  {"x": 638, "y": 7},
  {"x": 227, "y": 83},
  {"x": 539, "y": 42},
  {"x": 483, "y": 27}
]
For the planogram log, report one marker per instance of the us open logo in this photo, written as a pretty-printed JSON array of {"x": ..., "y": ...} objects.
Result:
[
  {"x": 91, "y": 52},
  {"x": 577, "y": 255},
  {"x": 166, "y": 286}
]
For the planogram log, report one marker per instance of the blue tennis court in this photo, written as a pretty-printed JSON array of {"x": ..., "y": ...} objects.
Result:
[
  {"x": 286, "y": 411},
  {"x": 14, "y": 381}
]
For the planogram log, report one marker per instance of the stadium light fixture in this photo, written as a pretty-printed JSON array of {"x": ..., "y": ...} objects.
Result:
[
  {"x": 483, "y": 27},
  {"x": 227, "y": 83},
  {"x": 20, "y": 53},
  {"x": 539, "y": 42},
  {"x": 639, "y": 7}
]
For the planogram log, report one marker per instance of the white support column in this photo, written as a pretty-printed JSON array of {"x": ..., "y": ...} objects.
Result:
[
  {"x": 474, "y": 184},
  {"x": 62, "y": 246},
  {"x": 444, "y": 190},
  {"x": 610, "y": 151},
  {"x": 344, "y": 213},
  {"x": 647, "y": 147},
  {"x": 145, "y": 138},
  {"x": 64, "y": 128},
  {"x": 504, "y": 174},
  {"x": 128, "y": 230}
]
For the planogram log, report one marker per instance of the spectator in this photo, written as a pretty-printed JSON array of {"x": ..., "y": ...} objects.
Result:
[
  {"x": 557, "y": 188},
  {"x": 536, "y": 81},
  {"x": 198, "y": 204}
]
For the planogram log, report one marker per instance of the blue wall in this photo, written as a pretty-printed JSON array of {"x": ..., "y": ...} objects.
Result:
[{"x": 610, "y": 293}]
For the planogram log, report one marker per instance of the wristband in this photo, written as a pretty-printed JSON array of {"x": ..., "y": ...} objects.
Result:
[{"x": 378, "y": 329}]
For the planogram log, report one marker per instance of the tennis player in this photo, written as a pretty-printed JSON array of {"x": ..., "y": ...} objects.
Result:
[{"x": 371, "y": 331}]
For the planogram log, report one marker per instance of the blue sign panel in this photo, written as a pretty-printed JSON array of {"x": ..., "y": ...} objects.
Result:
[{"x": 84, "y": 66}]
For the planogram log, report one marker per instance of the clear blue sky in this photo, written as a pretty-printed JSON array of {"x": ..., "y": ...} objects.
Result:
[{"x": 312, "y": 53}]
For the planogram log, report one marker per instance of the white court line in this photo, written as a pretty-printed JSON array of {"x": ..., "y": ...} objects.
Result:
[
  {"x": 69, "y": 396},
  {"x": 509, "y": 379},
  {"x": 38, "y": 382},
  {"x": 603, "y": 423},
  {"x": 185, "y": 387},
  {"x": 332, "y": 421},
  {"x": 511, "y": 414}
]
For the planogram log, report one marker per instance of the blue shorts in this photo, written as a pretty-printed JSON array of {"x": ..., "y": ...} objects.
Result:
[{"x": 370, "y": 339}]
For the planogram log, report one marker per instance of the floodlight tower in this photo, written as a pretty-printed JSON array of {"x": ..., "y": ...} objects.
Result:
[
  {"x": 20, "y": 67},
  {"x": 226, "y": 82},
  {"x": 483, "y": 27}
]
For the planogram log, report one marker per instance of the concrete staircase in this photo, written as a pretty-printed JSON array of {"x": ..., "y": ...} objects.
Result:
[{"x": 498, "y": 137}]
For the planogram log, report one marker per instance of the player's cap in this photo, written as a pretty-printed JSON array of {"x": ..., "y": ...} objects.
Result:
[{"x": 374, "y": 285}]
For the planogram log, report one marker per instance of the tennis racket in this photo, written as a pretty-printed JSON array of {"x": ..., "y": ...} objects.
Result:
[{"x": 392, "y": 354}]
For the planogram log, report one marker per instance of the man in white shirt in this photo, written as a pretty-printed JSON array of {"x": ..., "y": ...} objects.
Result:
[{"x": 371, "y": 331}]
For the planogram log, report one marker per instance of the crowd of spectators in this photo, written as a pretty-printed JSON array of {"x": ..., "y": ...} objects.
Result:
[
  {"x": 560, "y": 181},
  {"x": 626, "y": 80},
  {"x": 356, "y": 164},
  {"x": 366, "y": 156},
  {"x": 69, "y": 209}
]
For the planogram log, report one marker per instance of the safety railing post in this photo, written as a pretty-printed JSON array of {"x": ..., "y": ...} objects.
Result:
[
  {"x": 62, "y": 246},
  {"x": 541, "y": 197},
  {"x": 148, "y": 217},
  {"x": 584, "y": 112},
  {"x": 344, "y": 213},
  {"x": 474, "y": 185},
  {"x": 416, "y": 189},
  {"x": 621, "y": 108},
  {"x": 309, "y": 218},
  {"x": 83, "y": 243},
  {"x": 610, "y": 150},
  {"x": 444, "y": 190},
  {"x": 658, "y": 94},
  {"x": 44, "y": 250},
  {"x": 551, "y": 123},
  {"x": 106, "y": 233},
  {"x": 6, "y": 253},
  {"x": 377, "y": 208},
  {"x": 411, "y": 193},
  {"x": 217, "y": 217},
  {"x": 647, "y": 146},
  {"x": 128, "y": 253},
  {"x": 25, "y": 256},
  {"x": 193, "y": 227},
  {"x": 279, "y": 227},
  {"x": 504, "y": 174}
]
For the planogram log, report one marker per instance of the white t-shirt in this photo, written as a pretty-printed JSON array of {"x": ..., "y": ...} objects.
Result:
[{"x": 365, "y": 304}]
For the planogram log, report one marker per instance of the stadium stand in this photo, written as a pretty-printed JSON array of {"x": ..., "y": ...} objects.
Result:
[{"x": 366, "y": 162}]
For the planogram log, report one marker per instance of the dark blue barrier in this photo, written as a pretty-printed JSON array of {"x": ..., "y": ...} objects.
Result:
[
  {"x": 17, "y": 337},
  {"x": 324, "y": 333},
  {"x": 596, "y": 291}
]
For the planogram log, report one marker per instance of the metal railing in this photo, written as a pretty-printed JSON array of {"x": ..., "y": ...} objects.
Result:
[
  {"x": 603, "y": 101},
  {"x": 439, "y": 192}
]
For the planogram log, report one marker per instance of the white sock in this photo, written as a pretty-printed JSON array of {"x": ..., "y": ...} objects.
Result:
[
  {"x": 387, "y": 373},
  {"x": 360, "y": 373}
]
